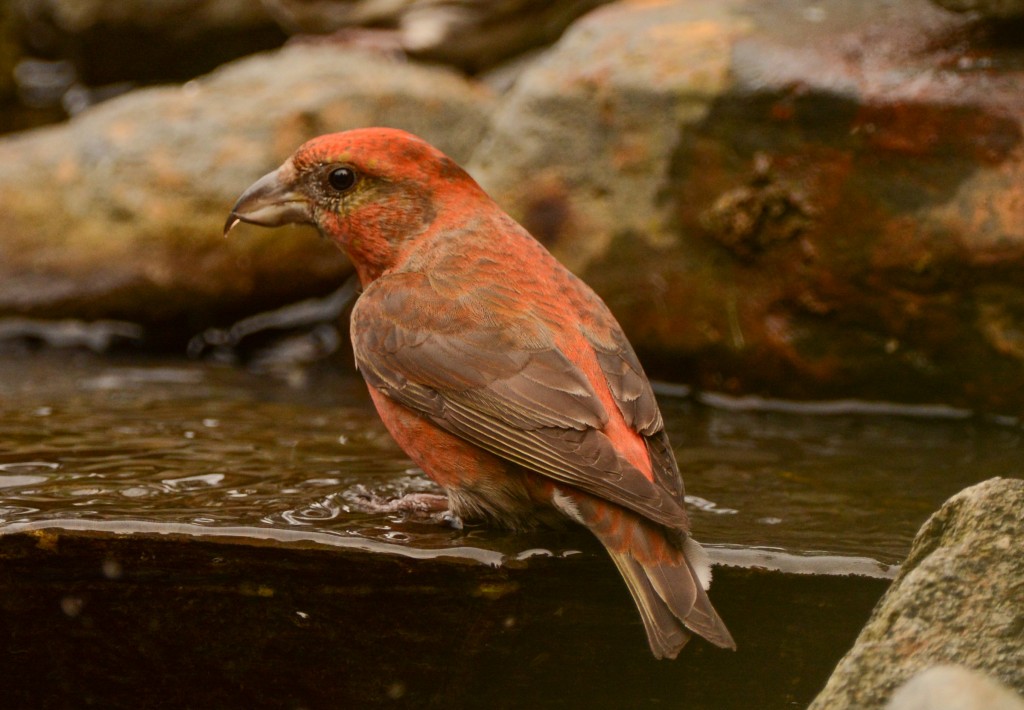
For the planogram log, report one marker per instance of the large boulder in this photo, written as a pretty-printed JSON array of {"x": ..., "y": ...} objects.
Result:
[
  {"x": 118, "y": 213},
  {"x": 804, "y": 201},
  {"x": 957, "y": 600}
]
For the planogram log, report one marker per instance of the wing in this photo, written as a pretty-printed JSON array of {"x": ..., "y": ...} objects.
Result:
[
  {"x": 489, "y": 372},
  {"x": 629, "y": 386}
]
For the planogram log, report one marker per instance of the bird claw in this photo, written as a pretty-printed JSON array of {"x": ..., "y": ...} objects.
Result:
[
  {"x": 451, "y": 519},
  {"x": 364, "y": 500}
]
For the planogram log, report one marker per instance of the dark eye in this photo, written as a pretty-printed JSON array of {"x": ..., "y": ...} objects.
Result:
[{"x": 341, "y": 179}]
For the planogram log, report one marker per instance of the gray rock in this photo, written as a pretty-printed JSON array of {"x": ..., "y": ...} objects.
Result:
[
  {"x": 118, "y": 213},
  {"x": 592, "y": 125},
  {"x": 802, "y": 201},
  {"x": 953, "y": 688},
  {"x": 959, "y": 598}
]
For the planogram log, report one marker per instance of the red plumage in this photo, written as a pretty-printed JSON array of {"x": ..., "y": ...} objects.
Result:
[{"x": 501, "y": 374}]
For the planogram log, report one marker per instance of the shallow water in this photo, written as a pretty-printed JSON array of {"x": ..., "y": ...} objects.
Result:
[
  {"x": 211, "y": 445},
  {"x": 185, "y": 534}
]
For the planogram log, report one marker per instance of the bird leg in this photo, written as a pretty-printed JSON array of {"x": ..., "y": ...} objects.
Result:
[
  {"x": 364, "y": 500},
  {"x": 448, "y": 517}
]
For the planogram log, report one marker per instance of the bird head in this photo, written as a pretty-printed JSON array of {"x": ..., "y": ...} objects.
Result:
[{"x": 372, "y": 191}]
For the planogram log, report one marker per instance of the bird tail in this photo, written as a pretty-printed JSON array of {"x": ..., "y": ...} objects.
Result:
[
  {"x": 672, "y": 599},
  {"x": 667, "y": 572}
]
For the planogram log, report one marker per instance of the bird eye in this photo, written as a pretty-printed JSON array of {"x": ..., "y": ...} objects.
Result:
[{"x": 341, "y": 179}]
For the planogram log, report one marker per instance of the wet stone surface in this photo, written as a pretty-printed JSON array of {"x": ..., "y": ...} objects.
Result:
[
  {"x": 182, "y": 534},
  {"x": 152, "y": 621}
]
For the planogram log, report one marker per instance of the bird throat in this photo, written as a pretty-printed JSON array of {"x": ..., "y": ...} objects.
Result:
[{"x": 376, "y": 235}]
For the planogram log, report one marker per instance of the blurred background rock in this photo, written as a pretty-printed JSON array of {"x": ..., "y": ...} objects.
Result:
[{"x": 803, "y": 199}]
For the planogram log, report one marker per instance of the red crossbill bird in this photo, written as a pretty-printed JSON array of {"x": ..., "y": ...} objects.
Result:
[{"x": 500, "y": 373}]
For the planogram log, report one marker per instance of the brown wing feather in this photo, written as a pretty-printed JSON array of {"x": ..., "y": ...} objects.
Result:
[
  {"x": 630, "y": 388},
  {"x": 500, "y": 383}
]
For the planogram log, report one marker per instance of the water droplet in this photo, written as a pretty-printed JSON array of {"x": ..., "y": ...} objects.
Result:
[
  {"x": 28, "y": 466},
  {"x": 196, "y": 482},
  {"x": 533, "y": 552},
  {"x": 112, "y": 569},
  {"x": 10, "y": 511},
  {"x": 292, "y": 517},
  {"x": 71, "y": 606},
  {"x": 20, "y": 481},
  {"x": 709, "y": 506},
  {"x": 322, "y": 482}
]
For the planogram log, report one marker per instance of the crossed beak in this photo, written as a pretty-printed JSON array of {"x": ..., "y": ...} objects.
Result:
[{"x": 271, "y": 201}]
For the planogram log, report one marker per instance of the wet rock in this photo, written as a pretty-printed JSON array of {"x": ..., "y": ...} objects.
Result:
[
  {"x": 953, "y": 688},
  {"x": 986, "y": 8},
  {"x": 802, "y": 201},
  {"x": 118, "y": 214},
  {"x": 324, "y": 620},
  {"x": 807, "y": 201},
  {"x": 580, "y": 148},
  {"x": 957, "y": 599},
  {"x": 98, "y": 336},
  {"x": 471, "y": 34}
]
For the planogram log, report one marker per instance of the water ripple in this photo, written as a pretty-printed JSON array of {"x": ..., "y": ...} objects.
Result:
[{"x": 217, "y": 447}]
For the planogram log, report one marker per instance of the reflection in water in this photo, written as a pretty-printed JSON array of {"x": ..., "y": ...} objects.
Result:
[
  {"x": 215, "y": 446},
  {"x": 316, "y": 512}
]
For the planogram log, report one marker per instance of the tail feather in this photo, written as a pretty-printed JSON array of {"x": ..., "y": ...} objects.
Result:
[
  {"x": 666, "y": 635},
  {"x": 666, "y": 571},
  {"x": 672, "y": 604},
  {"x": 704, "y": 620}
]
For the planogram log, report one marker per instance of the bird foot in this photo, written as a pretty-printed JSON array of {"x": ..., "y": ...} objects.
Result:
[
  {"x": 451, "y": 519},
  {"x": 364, "y": 500},
  {"x": 432, "y": 505}
]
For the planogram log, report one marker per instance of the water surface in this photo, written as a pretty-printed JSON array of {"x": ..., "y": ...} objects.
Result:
[{"x": 211, "y": 445}]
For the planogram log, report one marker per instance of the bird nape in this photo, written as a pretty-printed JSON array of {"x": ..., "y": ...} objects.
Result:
[{"x": 501, "y": 374}]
